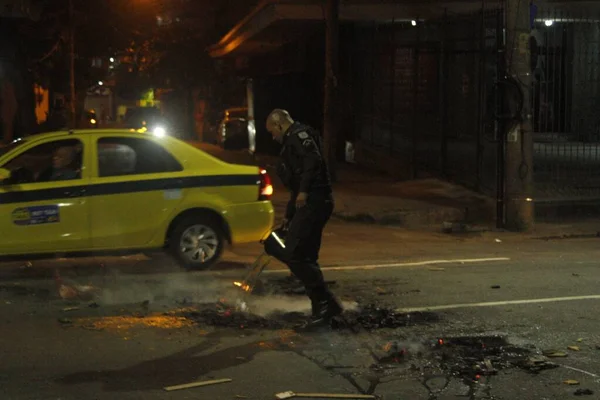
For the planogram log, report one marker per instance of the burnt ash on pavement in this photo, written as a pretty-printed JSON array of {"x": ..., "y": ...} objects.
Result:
[{"x": 369, "y": 318}]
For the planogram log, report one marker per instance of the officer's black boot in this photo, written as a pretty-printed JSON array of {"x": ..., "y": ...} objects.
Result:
[{"x": 324, "y": 307}]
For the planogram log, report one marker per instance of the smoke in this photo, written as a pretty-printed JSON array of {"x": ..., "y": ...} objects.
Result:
[
  {"x": 190, "y": 289},
  {"x": 265, "y": 306},
  {"x": 178, "y": 288}
]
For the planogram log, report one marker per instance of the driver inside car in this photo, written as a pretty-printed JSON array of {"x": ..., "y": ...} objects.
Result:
[{"x": 62, "y": 164}]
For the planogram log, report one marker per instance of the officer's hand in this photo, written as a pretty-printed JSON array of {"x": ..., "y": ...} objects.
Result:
[
  {"x": 285, "y": 224},
  {"x": 301, "y": 200}
]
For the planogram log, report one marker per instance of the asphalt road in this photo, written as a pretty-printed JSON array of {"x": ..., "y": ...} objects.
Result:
[{"x": 475, "y": 328}]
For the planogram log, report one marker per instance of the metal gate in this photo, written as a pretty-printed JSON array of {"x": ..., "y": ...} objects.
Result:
[
  {"x": 565, "y": 45},
  {"x": 428, "y": 96}
]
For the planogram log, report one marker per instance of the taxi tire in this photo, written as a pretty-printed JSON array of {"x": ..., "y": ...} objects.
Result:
[{"x": 175, "y": 240}]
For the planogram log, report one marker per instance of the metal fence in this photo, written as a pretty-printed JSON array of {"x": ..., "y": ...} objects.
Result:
[
  {"x": 428, "y": 96},
  {"x": 565, "y": 59}
]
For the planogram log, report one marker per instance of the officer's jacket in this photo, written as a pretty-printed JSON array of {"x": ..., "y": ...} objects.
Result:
[{"x": 302, "y": 167}]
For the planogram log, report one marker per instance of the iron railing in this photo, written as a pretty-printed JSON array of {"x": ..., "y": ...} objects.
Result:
[{"x": 429, "y": 96}]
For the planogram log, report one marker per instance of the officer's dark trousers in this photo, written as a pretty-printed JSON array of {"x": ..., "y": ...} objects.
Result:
[{"x": 303, "y": 242}]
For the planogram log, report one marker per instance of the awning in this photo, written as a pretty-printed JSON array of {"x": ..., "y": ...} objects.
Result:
[{"x": 277, "y": 22}]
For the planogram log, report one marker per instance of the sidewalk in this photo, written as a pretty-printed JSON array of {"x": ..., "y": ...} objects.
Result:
[{"x": 427, "y": 204}]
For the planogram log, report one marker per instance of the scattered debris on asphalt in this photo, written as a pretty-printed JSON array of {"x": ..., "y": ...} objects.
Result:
[
  {"x": 380, "y": 291},
  {"x": 290, "y": 395},
  {"x": 68, "y": 290},
  {"x": 538, "y": 363},
  {"x": 197, "y": 384},
  {"x": 225, "y": 316},
  {"x": 473, "y": 357},
  {"x": 67, "y": 309},
  {"x": 438, "y": 269},
  {"x": 574, "y": 348},
  {"x": 27, "y": 265},
  {"x": 120, "y": 323},
  {"x": 65, "y": 321},
  {"x": 571, "y": 382},
  {"x": 495, "y": 286},
  {"x": 583, "y": 392},
  {"x": 554, "y": 353},
  {"x": 370, "y": 317},
  {"x": 395, "y": 354}
]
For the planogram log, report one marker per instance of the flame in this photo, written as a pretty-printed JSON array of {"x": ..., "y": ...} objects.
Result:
[{"x": 244, "y": 286}]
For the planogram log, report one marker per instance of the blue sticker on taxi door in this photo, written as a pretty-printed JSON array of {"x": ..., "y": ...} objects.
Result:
[{"x": 36, "y": 215}]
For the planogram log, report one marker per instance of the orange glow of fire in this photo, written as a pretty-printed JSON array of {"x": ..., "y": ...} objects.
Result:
[{"x": 244, "y": 286}]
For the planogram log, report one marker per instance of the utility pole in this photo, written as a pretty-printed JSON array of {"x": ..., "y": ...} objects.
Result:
[
  {"x": 72, "y": 104},
  {"x": 518, "y": 160},
  {"x": 330, "y": 122}
]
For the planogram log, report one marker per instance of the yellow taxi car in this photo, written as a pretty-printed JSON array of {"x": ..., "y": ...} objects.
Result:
[{"x": 110, "y": 191}]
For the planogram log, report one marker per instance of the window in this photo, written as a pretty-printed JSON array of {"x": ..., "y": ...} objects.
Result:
[
  {"x": 11, "y": 146},
  {"x": 59, "y": 160},
  {"x": 118, "y": 156}
]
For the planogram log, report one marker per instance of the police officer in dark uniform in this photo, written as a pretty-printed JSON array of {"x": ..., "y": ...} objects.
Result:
[{"x": 304, "y": 173}]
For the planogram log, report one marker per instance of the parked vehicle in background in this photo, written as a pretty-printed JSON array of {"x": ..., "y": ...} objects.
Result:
[
  {"x": 145, "y": 119},
  {"x": 236, "y": 131},
  {"x": 91, "y": 119}
]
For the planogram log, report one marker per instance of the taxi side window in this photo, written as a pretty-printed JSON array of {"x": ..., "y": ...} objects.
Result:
[
  {"x": 119, "y": 156},
  {"x": 59, "y": 160}
]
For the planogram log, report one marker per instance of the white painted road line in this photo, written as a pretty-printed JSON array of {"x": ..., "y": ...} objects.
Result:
[
  {"x": 400, "y": 265},
  {"x": 499, "y": 303},
  {"x": 581, "y": 371}
]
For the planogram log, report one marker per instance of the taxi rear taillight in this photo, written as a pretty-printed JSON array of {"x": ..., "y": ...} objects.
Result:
[{"x": 265, "y": 190}]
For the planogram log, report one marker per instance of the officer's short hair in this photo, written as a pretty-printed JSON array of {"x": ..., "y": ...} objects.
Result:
[{"x": 278, "y": 115}]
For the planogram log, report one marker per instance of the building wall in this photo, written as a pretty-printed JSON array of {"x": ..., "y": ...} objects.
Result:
[{"x": 290, "y": 78}]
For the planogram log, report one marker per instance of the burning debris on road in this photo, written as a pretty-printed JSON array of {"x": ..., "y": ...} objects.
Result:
[
  {"x": 471, "y": 358},
  {"x": 371, "y": 317}
]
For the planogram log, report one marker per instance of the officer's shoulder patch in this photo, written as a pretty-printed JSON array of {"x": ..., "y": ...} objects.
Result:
[{"x": 303, "y": 135}]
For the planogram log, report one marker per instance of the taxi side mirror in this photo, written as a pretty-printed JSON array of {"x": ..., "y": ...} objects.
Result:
[{"x": 4, "y": 175}]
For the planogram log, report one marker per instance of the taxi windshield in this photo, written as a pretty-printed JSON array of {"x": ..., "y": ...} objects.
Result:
[{"x": 11, "y": 146}]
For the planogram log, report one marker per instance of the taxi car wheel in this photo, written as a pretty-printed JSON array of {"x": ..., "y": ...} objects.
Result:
[{"x": 197, "y": 243}]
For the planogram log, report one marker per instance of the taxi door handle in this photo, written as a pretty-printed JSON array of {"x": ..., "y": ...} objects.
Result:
[{"x": 74, "y": 193}]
